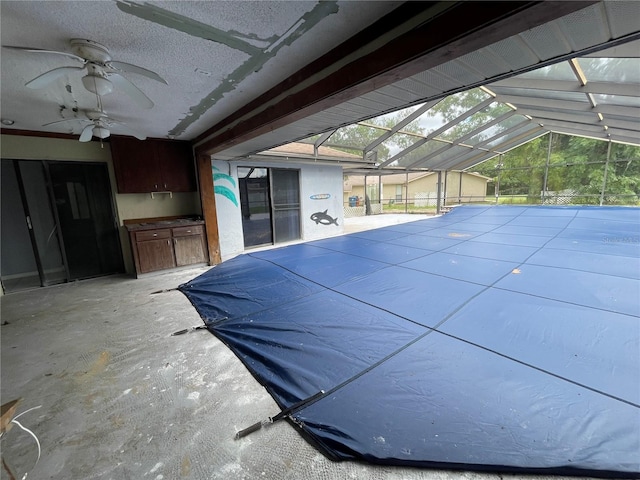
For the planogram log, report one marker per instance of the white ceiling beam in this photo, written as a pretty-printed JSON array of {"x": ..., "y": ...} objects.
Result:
[
  {"x": 602, "y": 135},
  {"x": 605, "y": 88},
  {"x": 544, "y": 116},
  {"x": 522, "y": 102}
]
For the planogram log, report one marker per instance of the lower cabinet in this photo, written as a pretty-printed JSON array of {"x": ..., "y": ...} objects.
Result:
[
  {"x": 169, "y": 247},
  {"x": 188, "y": 245}
]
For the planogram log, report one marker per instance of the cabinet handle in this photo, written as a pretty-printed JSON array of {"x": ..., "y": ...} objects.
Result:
[
  {"x": 188, "y": 231},
  {"x": 165, "y": 186},
  {"x": 168, "y": 243},
  {"x": 155, "y": 234},
  {"x": 156, "y": 186}
]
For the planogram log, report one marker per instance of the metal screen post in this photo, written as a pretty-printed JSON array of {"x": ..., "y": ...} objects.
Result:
[
  {"x": 499, "y": 167},
  {"x": 546, "y": 170},
  {"x": 406, "y": 191},
  {"x": 444, "y": 197},
  {"x": 606, "y": 169},
  {"x": 380, "y": 191},
  {"x": 460, "y": 189},
  {"x": 438, "y": 205}
]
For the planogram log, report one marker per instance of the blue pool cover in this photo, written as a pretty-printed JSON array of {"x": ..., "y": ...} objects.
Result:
[{"x": 492, "y": 338}]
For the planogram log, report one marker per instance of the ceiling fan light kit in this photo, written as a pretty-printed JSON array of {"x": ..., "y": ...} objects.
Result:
[
  {"x": 97, "y": 84},
  {"x": 101, "y": 132}
]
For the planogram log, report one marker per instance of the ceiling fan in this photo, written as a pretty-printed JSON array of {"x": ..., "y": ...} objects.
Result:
[
  {"x": 102, "y": 73},
  {"x": 99, "y": 124}
]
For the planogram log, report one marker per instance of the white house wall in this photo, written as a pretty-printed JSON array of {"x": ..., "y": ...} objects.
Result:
[
  {"x": 225, "y": 186},
  {"x": 320, "y": 194},
  {"x": 320, "y": 191}
]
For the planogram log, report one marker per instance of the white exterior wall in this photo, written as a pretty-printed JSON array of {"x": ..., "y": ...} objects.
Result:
[
  {"x": 320, "y": 180},
  {"x": 317, "y": 181},
  {"x": 225, "y": 186}
]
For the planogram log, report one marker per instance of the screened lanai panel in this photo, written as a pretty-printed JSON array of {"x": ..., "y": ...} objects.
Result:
[
  {"x": 474, "y": 158},
  {"x": 423, "y": 150},
  {"x": 435, "y": 161},
  {"x": 497, "y": 129},
  {"x": 475, "y": 121},
  {"x": 507, "y": 138},
  {"x": 392, "y": 144}
]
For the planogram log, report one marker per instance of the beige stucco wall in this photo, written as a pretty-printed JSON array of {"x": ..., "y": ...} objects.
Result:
[
  {"x": 128, "y": 206},
  {"x": 474, "y": 188}
]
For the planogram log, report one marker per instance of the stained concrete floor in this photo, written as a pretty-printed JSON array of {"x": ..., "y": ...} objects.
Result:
[{"x": 120, "y": 398}]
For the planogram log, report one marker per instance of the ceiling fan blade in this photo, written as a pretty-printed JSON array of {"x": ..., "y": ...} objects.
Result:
[
  {"x": 38, "y": 50},
  {"x": 87, "y": 133},
  {"x": 66, "y": 120},
  {"x": 48, "y": 77},
  {"x": 127, "y": 67},
  {"x": 127, "y": 130},
  {"x": 130, "y": 89}
]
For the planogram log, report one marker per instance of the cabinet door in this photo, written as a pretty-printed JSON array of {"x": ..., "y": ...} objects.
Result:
[
  {"x": 136, "y": 165},
  {"x": 155, "y": 255},
  {"x": 189, "y": 250},
  {"x": 177, "y": 170}
]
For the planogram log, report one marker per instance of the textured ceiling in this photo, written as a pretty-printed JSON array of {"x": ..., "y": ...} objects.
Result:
[{"x": 215, "y": 56}]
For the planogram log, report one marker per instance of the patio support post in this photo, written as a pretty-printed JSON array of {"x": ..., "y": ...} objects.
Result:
[
  {"x": 546, "y": 170},
  {"x": 460, "y": 189},
  {"x": 438, "y": 205},
  {"x": 606, "y": 169}
]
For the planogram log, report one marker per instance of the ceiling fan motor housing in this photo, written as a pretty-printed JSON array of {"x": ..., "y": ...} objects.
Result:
[{"x": 91, "y": 51}]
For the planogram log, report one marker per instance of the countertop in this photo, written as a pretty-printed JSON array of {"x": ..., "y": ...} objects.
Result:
[{"x": 154, "y": 225}]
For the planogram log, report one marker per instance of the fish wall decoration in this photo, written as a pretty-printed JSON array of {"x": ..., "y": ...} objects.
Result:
[{"x": 324, "y": 219}]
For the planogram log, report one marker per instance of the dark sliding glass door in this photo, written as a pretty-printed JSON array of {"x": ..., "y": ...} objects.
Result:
[
  {"x": 270, "y": 205},
  {"x": 58, "y": 223}
]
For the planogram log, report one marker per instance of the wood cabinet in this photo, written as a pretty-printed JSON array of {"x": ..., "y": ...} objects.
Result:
[
  {"x": 154, "y": 250},
  {"x": 188, "y": 245},
  {"x": 164, "y": 245},
  {"x": 143, "y": 166}
]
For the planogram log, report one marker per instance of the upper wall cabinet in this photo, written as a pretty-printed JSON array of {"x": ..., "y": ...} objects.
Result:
[{"x": 152, "y": 165}]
